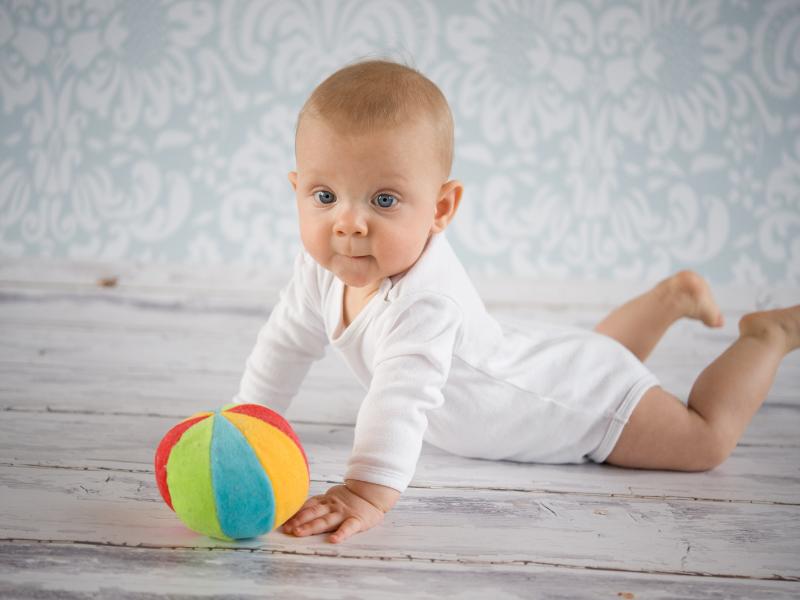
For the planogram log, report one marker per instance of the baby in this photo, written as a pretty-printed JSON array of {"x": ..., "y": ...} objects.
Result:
[{"x": 379, "y": 281}]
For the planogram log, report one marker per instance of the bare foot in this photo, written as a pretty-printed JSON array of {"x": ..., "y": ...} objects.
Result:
[
  {"x": 781, "y": 325},
  {"x": 692, "y": 295}
]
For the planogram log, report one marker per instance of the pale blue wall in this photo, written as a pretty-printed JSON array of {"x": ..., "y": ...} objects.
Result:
[{"x": 596, "y": 139}]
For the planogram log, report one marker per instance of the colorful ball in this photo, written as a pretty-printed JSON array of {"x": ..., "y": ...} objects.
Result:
[{"x": 234, "y": 473}]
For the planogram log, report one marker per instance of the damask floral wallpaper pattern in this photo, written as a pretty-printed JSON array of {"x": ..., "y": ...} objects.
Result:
[{"x": 596, "y": 139}]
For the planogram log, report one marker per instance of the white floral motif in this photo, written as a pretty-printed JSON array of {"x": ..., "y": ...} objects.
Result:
[
  {"x": 745, "y": 187},
  {"x": 591, "y": 169},
  {"x": 520, "y": 67},
  {"x": 741, "y": 140},
  {"x": 72, "y": 192},
  {"x": 258, "y": 210},
  {"x": 672, "y": 84},
  {"x": 15, "y": 197},
  {"x": 315, "y": 37},
  {"x": 138, "y": 60},
  {"x": 779, "y": 233},
  {"x": 23, "y": 48},
  {"x": 47, "y": 174},
  {"x": 56, "y": 135},
  {"x": 746, "y": 270},
  {"x": 609, "y": 214},
  {"x": 776, "y": 42}
]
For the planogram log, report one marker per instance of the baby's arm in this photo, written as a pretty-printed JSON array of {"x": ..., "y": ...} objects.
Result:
[
  {"x": 412, "y": 363},
  {"x": 411, "y": 366},
  {"x": 291, "y": 339}
]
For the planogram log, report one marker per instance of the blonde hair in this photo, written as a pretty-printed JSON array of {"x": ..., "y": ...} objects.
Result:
[{"x": 373, "y": 95}]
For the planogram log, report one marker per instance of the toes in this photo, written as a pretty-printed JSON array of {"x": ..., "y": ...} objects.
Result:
[{"x": 713, "y": 318}]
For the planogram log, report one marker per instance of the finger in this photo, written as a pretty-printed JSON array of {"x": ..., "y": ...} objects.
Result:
[
  {"x": 350, "y": 526},
  {"x": 306, "y": 514},
  {"x": 325, "y": 523},
  {"x": 313, "y": 501}
]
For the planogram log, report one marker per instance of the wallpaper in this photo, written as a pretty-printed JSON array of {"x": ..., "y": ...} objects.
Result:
[{"x": 611, "y": 140}]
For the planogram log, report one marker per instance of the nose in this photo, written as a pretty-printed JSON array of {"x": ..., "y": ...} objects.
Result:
[{"x": 350, "y": 220}]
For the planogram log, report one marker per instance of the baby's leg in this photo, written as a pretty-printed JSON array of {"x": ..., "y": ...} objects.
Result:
[
  {"x": 662, "y": 433},
  {"x": 641, "y": 322}
]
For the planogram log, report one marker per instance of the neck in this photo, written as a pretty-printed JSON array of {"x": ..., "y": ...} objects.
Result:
[{"x": 365, "y": 291}]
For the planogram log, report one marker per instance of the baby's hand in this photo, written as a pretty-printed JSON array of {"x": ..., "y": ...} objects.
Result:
[{"x": 339, "y": 507}]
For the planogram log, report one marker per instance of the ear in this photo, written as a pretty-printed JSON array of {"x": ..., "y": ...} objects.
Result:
[
  {"x": 293, "y": 179},
  {"x": 447, "y": 205}
]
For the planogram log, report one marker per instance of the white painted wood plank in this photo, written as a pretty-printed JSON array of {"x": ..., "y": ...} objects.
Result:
[
  {"x": 653, "y": 536},
  {"x": 56, "y": 273},
  {"x": 83, "y": 570},
  {"x": 328, "y": 394},
  {"x": 136, "y": 333},
  {"x": 134, "y": 345},
  {"x": 751, "y": 474},
  {"x": 118, "y": 309}
]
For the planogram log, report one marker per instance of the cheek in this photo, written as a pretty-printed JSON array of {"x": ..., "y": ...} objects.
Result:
[
  {"x": 400, "y": 249},
  {"x": 312, "y": 233}
]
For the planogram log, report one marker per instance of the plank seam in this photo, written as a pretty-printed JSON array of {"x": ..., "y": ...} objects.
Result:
[
  {"x": 408, "y": 558},
  {"x": 432, "y": 487},
  {"x": 77, "y": 411},
  {"x": 170, "y": 305}
]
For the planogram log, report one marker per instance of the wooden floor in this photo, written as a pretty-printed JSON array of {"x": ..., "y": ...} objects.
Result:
[{"x": 92, "y": 375}]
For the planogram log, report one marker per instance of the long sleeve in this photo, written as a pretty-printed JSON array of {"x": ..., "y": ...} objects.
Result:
[
  {"x": 292, "y": 338},
  {"x": 411, "y": 366}
]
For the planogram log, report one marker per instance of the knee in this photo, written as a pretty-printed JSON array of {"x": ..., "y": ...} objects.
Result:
[{"x": 711, "y": 451}]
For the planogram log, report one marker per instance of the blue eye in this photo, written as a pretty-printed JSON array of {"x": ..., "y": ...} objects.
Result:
[
  {"x": 385, "y": 200},
  {"x": 325, "y": 197}
]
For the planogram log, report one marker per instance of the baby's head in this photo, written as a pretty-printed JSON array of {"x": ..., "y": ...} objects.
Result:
[{"x": 374, "y": 148}]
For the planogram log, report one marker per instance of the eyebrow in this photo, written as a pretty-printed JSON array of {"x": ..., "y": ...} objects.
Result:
[
  {"x": 396, "y": 177},
  {"x": 387, "y": 179}
]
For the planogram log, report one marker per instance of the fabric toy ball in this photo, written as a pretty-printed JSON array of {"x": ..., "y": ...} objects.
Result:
[{"x": 234, "y": 473}]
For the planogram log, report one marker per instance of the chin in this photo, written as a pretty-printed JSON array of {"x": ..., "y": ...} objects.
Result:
[
  {"x": 355, "y": 280},
  {"x": 352, "y": 275}
]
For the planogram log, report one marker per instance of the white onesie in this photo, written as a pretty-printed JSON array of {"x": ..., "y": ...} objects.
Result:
[{"x": 438, "y": 367}]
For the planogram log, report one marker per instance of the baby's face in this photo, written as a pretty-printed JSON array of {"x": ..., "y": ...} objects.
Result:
[{"x": 367, "y": 203}]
